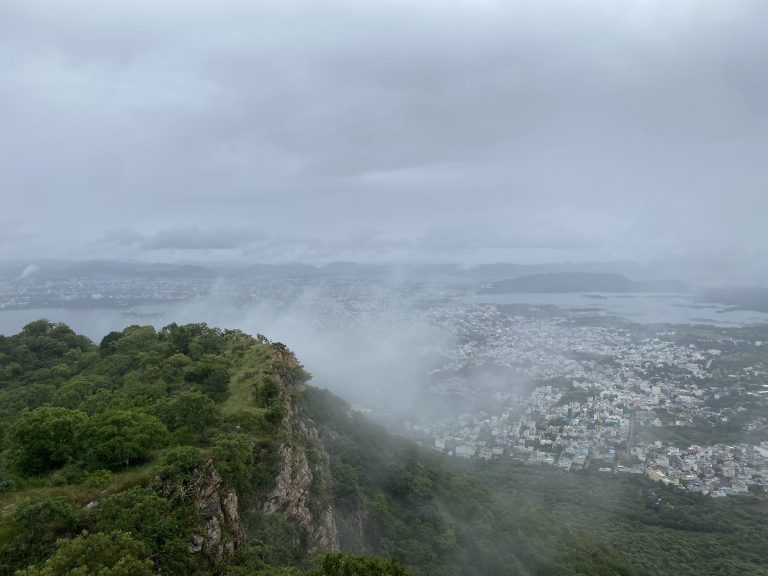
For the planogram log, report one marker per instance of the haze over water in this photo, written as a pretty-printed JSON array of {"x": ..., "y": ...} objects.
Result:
[{"x": 639, "y": 308}]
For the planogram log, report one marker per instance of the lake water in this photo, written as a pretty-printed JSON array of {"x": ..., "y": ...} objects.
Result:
[
  {"x": 274, "y": 321},
  {"x": 642, "y": 308},
  {"x": 97, "y": 322}
]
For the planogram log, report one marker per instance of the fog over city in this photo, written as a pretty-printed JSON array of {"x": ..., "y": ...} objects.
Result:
[
  {"x": 387, "y": 131},
  {"x": 457, "y": 287},
  {"x": 340, "y": 175}
]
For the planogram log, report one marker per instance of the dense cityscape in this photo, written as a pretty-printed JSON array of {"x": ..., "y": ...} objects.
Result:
[
  {"x": 620, "y": 399},
  {"x": 573, "y": 388}
]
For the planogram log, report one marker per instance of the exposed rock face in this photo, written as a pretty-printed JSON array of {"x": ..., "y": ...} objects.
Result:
[
  {"x": 223, "y": 533},
  {"x": 196, "y": 546},
  {"x": 292, "y": 487},
  {"x": 293, "y": 494},
  {"x": 352, "y": 531},
  {"x": 290, "y": 498}
]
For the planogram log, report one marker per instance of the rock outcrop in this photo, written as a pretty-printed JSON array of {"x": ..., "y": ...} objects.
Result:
[
  {"x": 291, "y": 498},
  {"x": 295, "y": 493},
  {"x": 223, "y": 534}
]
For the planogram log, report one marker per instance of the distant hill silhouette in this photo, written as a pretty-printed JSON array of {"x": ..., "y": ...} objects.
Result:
[{"x": 564, "y": 282}]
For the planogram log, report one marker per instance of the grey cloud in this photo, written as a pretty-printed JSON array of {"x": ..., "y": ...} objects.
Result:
[
  {"x": 260, "y": 246},
  {"x": 13, "y": 231},
  {"x": 123, "y": 237},
  {"x": 454, "y": 129},
  {"x": 192, "y": 238},
  {"x": 197, "y": 239}
]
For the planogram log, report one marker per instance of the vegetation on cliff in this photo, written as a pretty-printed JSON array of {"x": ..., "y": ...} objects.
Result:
[
  {"x": 193, "y": 450},
  {"x": 174, "y": 451}
]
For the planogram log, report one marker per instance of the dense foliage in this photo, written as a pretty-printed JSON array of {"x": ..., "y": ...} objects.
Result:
[
  {"x": 658, "y": 529},
  {"x": 439, "y": 521},
  {"x": 102, "y": 446}
]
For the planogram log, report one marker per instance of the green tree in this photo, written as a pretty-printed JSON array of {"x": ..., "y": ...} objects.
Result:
[
  {"x": 47, "y": 343},
  {"x": 41, "y": 516},
  {"x": 180, "y": 463},
  {"x": 112, "y": 554},
  {"x": 172, "y": 369},
  {"x": 32, "y": 530},
  {"x": 267, "y": 392},
  {"x": 153, "y": 520},
  {"x": 190, "y": 410},
  {"x": 345, "y": 565},
  {"x": 194, "y": 340},
  {"x": 120, "y": 437},
  {"x": 234, "y": 459},
  {"x": 45, "y": 438},
  {"x": 14, "y": 401},
  {"x": 211, "y": 375},
  {"x": 72, "y": 392}
]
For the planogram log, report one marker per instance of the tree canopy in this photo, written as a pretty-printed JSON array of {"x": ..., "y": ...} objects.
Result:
[{"x": 122, "y": 458}]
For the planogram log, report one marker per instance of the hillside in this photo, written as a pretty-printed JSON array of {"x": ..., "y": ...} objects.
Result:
[
  {"x": 564, "y": 282},
  {"x": 192, "y": 450}
]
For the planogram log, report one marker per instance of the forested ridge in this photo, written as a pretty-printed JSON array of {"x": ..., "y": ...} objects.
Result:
[{"x": 194, "y": 450}]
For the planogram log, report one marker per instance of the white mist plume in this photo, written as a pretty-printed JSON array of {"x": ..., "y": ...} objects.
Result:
[{"x": 28, "y": 271}]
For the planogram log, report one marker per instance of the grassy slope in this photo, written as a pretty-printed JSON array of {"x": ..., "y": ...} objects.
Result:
[{"x": 247, "y": 370}]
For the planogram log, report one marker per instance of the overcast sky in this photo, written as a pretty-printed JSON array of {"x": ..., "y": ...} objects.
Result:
[{"x": 473, "y": 131}]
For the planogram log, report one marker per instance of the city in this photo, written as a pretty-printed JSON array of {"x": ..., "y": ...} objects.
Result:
[
  {"x": 617, "y": 397},
  {"x": 575, "y": 388}
]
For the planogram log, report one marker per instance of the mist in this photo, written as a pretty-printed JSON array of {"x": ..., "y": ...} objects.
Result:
[
  {"x": 377, "y": 351},
  {"x": 526, "y": 237}
]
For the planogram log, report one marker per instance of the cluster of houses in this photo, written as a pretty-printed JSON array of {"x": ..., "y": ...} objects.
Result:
[
  {"x": 620, "y": 393},
  {"x": 98, "y": 291}
]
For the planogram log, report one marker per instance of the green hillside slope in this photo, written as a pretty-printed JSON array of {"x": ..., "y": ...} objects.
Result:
[{"x": 193, "y": 450}]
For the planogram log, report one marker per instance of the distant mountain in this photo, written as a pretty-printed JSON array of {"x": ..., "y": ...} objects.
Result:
[
  {"x": 570, "y": 275},
  {"x": 354, "y": 269},
  {"x": 125, "y": 270},
  {"x": 744, "y": 298},
  {"x": 276, "y": 270},
  {"x": 564, "y": 282}
]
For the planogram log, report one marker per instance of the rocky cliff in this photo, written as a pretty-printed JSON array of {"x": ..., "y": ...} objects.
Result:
[
  {"x": 217, "y": 506},
  {"x": 304, "y": 468}
]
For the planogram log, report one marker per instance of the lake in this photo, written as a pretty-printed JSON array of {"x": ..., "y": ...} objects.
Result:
[
  {"x": 286, "y": 322},
  {"x": 642, "y": 308}
]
